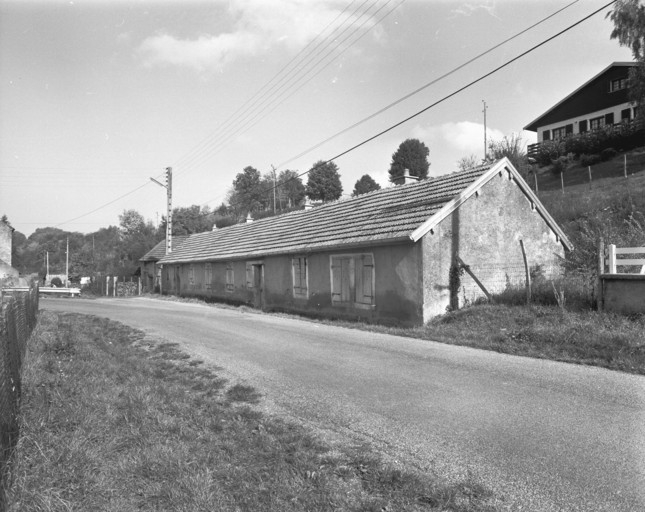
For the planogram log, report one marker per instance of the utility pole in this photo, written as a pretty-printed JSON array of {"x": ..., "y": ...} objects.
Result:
[
  {"x": 67, "y": 265},
  {"x": 168, "y": 187},
  {"x": 485, "y": 144},
  {"x": 274, "y": 186}
]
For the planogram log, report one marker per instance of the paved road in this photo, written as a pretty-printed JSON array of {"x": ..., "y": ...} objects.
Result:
[{"x": 545, "y": 436}]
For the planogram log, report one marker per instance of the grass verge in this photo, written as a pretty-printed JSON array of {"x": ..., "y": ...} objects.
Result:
[
  {"x": 546, "y": 332},
  {"x": 112, "y": 420}
]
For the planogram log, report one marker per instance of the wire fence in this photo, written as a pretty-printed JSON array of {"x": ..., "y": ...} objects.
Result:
[{"x": 18, "y": 316}]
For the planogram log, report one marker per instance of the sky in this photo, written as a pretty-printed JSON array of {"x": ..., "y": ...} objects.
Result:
[{"x": 97, "y": 97}]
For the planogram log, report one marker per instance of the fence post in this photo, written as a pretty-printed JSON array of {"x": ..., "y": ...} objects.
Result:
[
  {"x": 139, "y": 285},
  {"x": 612, "y": 259},
  {"x": 625, "y": 165},
  {"x": 527, "y": 273},
  {"x": 589, "y": 169},
  {"x": 601, "y": 270},
  {"x": 114, "y": 280},
  {"x": 562, "y": 180},
  {"x": 107, "y": 286}
]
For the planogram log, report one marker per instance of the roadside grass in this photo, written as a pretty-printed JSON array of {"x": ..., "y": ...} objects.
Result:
[
  {"x": 546, "y": 332},
  {"x": 114, "y": 421}
]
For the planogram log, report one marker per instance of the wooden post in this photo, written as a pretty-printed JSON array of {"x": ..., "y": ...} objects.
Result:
[
  {"x": 139, "y": 285},
  {"x": 107, "y": 286},
  {"x": 527, "y": 273},
  {"x": 625, "y": 165},
  {"x": 589, "y": 168},
  {"x": 477, "y": 281},
  {"x": 115, "y": 279},
  {"x": 612, "y": 259},
  {"x": 562, "y": 181},
  {"x": 536, "y": 183}
]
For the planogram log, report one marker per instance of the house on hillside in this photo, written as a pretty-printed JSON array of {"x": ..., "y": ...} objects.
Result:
[
  {"x": 150, "y": 272},
  {"x": 385, "y": 256},
  {"x": 7, "y": 272},
  {"x": 601, "y": 101}
]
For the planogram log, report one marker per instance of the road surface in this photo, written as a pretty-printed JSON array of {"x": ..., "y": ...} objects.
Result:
[{"x": 544, "y": 436}]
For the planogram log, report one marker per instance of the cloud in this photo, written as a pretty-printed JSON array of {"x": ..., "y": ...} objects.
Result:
[
  {"x": 465, "y": 136},
  {"x": 257, "y": 27},
  {"x": 468, "y": 9}
]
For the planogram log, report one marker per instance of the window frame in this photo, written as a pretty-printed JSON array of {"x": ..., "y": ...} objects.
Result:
[
  {"x": 559, "y": 133},
  {"x": 352, "y": 292},
  {"x": 300, "y": 292},
  {"x": 191, "y": 275},
  {"x": 618, "y": 84},
  {"x": 596, "y": 123},
  {"x": 208, "y": 275}
]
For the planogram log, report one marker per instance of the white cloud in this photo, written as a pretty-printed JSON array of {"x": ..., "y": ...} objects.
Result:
[
  {"x": 258, "y": 27},
  {"x": 464, "y": 136}
]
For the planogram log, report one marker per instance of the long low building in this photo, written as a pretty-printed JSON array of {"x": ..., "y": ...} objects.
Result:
[{"x": 387, "y": 256}]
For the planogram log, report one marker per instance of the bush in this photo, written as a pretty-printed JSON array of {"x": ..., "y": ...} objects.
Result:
[
  {"x": 588, "y": 160},
  {"x": 608, "y": 154},
  {"x": 550, "y": 150},
  {"x": 560, "y": 164},
  {"x": 57, "y": 282}
]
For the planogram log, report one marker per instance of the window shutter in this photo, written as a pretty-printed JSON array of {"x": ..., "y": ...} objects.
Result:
[
  {"x": 569, "y": 129},
  {"x": 249, "y": 275},
  {"x": 609, "y": 118},
  {"x": 582, "y": 126},
  {"x": 366, "y": 289},
  {"x": 336, "y": 279},
  {"x": 546, "y": 135}
]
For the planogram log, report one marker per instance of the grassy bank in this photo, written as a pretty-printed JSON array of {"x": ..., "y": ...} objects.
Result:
[{"x": 112, "y": 420}]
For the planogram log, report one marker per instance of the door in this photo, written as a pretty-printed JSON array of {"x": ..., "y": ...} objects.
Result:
[{"x": 258, "y": 286}]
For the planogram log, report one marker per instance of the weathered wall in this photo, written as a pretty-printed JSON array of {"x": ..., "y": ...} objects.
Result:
[
  {"x": 624, "y": 293},
  {"x": 485, "y": 232},
  {"x": 397, "y": 286},
  {"x": 6, "y": 238}
]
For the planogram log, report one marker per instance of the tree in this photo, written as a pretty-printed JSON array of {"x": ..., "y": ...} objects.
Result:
[
  {"x": 247, "y": 191},
  {"x": 467, "y": 162},
  {"x": 137, "y": 238},
  {"x": 188, "y": 220},
  {"x": 291, "y": 190},
  {"x": 412, "y": 154},
  {"x": 628, "y": 17},
  {"x": 324, "y": 182},
  {"x": 364, "y": 185},
  {"x": 513, "y": 148}
]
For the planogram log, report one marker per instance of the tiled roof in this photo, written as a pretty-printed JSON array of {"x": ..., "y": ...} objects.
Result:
[
  {"x": 159, "y": 250},
  {"x": 390, "y": 214}
]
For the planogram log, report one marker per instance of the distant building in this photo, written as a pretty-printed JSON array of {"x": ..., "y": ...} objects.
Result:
[
  {"x": 386, "y": 256},
  {"x": 601, "y": 101},
  {"x": 150, "y": 271},
  {"x": 6, "y": 245}
]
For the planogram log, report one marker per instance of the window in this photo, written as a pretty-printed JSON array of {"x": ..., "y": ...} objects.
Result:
[
  {"x": 597, "y": 122},
  {"x": 230, "y": 278},
  {"x": 191, "y": 275},
  {"x": 625, "y": 115},
  {"x": 559, "y": 133},
  {"x": 582, "y": 126},
  {"x": 208, "y": 275},
  {"x": 352, "y": 280},
  {"x": 299, "y": 271},
  {"x": 618, "y": 84},
  {"x": 249, "y": 275}
]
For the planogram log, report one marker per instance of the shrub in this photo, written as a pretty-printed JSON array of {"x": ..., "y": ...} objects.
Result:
[
  {"x": 560, "y": 164},
  {"x": 550, "y": 150},
  {"x": 587, "y": 160},
  {"x": 57, "y": 282},
  {"x": 608, "y": 154}
]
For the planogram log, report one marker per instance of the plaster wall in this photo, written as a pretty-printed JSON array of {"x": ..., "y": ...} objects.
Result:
[
  {"x": 397, "y": 287},
  {"x": 6, "y": 238},
  {"x": 485, "y": 232}
]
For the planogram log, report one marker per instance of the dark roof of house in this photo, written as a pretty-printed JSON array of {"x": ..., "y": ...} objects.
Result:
[
  {"x": 401, "y": 213},
  {"x": 159, "y": 250},
  {"x": 533, "y": 125}
]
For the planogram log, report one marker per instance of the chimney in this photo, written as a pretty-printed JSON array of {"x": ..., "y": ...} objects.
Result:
[
  {"x": 308, "y": 205},
  {"x": 249, "y": 219},
  {"x": 214, "y": 227},
  {"x": 407, "y": 178}
]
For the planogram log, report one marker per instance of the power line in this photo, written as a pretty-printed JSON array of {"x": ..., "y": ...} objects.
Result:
[{"x": 425, "y": 86}]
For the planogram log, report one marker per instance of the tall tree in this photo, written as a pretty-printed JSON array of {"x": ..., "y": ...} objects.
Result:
[
  {"x": 364, "y": 185},
  {"x": 628, "y": 17},
  {"x": 291, "y": 190},
  {"x": 513, "y": 148},
  {"x": 324, "y": 182},
  {"x": 188, "y": 220},
  {"x": 412, "y": 154},
  {"x": 247, "y": 192}
]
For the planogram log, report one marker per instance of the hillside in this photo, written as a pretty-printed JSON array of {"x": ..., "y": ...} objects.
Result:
[{"x": 610, "y": 206}]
